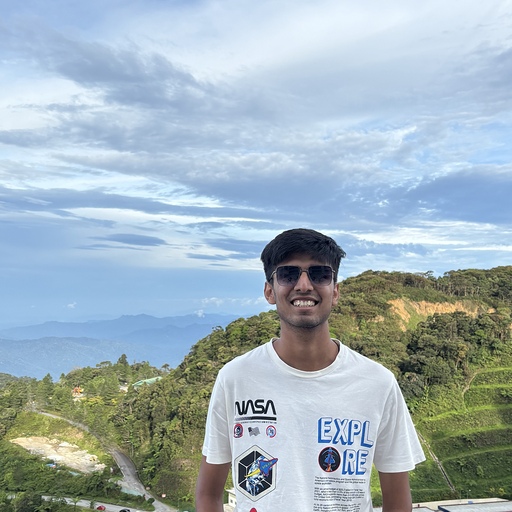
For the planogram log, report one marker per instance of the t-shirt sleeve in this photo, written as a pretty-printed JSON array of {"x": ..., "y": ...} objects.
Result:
[
  {"x": 398, "y": 448},
  {"x": 217, "y": 445}
]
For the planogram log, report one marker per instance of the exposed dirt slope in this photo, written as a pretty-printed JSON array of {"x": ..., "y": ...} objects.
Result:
[
  {"x": 61, "y": 452},
  {"x": 405, "y": 309}
]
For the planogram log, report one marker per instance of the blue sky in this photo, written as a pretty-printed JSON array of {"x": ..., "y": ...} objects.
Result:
[{"x": 149, "y": 150}]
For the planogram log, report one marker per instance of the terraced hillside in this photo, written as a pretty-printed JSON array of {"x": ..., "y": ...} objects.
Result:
[{"x": 474, "y": 444}]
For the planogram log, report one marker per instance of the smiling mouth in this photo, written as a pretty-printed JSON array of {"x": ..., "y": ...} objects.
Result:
[{"x": 300, "y": 303}]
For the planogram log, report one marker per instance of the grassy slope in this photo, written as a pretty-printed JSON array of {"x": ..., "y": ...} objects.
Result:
[{"x": 474, "y": 443}]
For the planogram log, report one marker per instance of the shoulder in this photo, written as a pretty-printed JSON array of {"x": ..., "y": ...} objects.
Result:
[
  {"x": 245, "y": 361},
  {"x": 366, "y": 367}
]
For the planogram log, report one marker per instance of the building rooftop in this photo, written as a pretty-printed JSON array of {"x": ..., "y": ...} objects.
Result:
[
  {"x": 476, "y": 505},
  {"x": 495, "y": 506}
]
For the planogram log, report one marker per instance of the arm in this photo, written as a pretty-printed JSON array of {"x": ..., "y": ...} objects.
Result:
[
  {"x": 396, "y": 493},
  {"x": 210, "y": 486}
]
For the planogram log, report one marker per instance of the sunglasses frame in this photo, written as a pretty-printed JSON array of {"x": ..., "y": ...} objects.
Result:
[{"x": 333, "y": 275}]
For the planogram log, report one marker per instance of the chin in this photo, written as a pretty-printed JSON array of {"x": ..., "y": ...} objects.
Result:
[{"x": 303, "y": 323}]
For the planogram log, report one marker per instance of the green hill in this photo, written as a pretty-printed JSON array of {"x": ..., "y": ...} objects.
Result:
[
  {"x": 474, "y": 444},
  {"x": 448, "y": 341}
]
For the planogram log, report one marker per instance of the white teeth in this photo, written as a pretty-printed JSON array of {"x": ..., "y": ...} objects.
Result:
[{"x": 303, "y": 303}]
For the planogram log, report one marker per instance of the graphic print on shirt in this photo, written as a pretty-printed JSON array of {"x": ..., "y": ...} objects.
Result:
[
  {"x": 329, "y": 459},
  {"x": 255, "y": 473},
  {"x": 271, "y": 431},
  {"x": 353, "y": 444},
  {"x": 238, "y": 431},
  {"x": 259, "y": 409}
]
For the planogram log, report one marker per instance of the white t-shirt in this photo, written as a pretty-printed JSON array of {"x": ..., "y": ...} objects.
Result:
[{"x": 306, "y": 441}]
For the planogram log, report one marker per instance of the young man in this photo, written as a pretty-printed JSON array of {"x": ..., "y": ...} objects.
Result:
[{"x": 301, "y": 419}]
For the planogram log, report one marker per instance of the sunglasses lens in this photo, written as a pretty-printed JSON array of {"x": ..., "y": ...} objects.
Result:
[
  {"x": 287, "y": 275},
  {"x": 320, "y": 275}
]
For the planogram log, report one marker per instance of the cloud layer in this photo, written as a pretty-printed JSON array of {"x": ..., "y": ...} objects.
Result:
[{"x": 144, "y": 142}]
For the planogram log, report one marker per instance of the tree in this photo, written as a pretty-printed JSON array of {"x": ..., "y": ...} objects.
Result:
[
  {"x": 44, "y": 392},
  {"x": 27, "y": 502}
]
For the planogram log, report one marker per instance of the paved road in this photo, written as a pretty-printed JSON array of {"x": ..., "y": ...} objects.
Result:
[
  {"x": 108, "y": 508},
  {"x": 130, "y": 481}
]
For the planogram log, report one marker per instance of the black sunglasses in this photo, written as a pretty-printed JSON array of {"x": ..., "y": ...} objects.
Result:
[{"x": 288, "y": 275}]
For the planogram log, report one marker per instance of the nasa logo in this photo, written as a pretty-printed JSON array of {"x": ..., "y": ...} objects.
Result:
[
  {"x": 260, "y": 409},
  {"x": 329, "y": 459},
  {"x": 238, "y": 431}
]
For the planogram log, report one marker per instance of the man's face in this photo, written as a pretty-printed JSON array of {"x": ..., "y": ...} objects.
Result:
[{"x": 304, "y": 304}]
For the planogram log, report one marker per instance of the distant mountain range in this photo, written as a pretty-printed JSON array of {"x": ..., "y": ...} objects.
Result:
[{"x": 58, "y": 347}]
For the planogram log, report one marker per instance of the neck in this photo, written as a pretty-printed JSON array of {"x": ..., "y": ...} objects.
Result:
[{"x": 312, "y": 352}]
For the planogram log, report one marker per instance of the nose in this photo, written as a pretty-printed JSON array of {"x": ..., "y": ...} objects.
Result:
[{"x": 303, "y": 283}]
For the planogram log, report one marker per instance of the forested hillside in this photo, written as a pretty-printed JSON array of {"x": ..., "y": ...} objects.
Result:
[{"x": 448, "y": 341}]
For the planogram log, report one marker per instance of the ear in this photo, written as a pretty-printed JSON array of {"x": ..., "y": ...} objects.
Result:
[
  {"x": 268, "y": 291},
  {"x": 335, "y": 294}
]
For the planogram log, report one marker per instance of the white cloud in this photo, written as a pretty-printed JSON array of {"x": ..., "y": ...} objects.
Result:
[{"x": 185, "y": 135}]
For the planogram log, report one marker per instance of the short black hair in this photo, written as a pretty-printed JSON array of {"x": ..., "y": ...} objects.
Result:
[{"x": 301, "y": 241}]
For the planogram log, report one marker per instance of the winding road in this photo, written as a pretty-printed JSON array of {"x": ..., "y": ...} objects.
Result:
[{"x": 130, "y": 481}]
